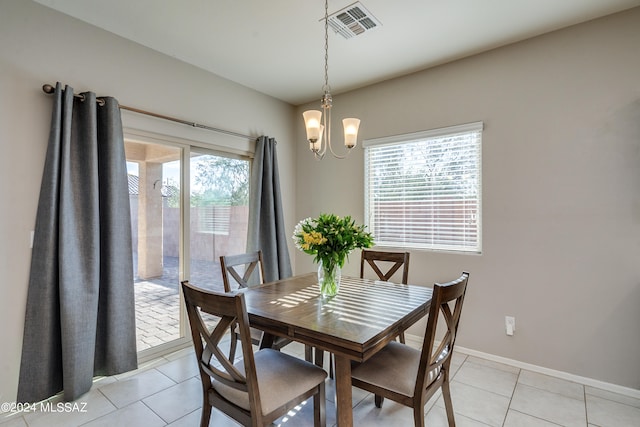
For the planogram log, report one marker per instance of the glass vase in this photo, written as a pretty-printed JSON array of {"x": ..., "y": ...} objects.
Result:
[{"x": 329, "y": 279}]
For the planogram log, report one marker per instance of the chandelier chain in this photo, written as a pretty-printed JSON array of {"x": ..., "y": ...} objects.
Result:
[{"x": 326, "y": 46}]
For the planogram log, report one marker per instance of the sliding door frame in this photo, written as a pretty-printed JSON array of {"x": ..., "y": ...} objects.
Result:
[{"x": 186, "y": 147}]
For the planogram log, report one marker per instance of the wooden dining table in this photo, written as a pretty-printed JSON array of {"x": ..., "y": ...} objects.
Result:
[{"x": 360, "y": 320}]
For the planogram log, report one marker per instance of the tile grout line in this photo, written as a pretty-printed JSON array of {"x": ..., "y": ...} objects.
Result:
[
  {"x": 511, "y": 397},
  {"x": 158, "y": 415},
  {"x": 537, "y": 418}
]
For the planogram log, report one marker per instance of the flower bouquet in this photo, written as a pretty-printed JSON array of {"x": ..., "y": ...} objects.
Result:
[{"x": 330, "y": 238}]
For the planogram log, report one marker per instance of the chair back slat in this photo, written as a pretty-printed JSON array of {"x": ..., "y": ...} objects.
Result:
[
  {"x": 241, "y": 268},
  {"x": 379, "y": 259},
  {"x": 229, "y": 374},
  {"x": 444, "y": 296}
]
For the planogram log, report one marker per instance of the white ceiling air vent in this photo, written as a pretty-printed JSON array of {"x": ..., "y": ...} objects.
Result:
[{"x": 353, "y": 20}]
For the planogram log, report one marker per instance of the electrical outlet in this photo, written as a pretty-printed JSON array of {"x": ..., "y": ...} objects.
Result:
[{"x": 510, "y": 324}]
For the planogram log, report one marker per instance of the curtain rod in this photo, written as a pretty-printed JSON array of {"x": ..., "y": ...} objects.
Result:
[{"x": 47, "y": 88}]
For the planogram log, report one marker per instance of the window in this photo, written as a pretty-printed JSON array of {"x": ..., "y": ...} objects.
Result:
[{"x": 423, "y": 190}]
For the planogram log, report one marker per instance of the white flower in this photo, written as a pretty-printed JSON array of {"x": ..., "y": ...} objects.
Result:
[{"x": 298, "y": 230}]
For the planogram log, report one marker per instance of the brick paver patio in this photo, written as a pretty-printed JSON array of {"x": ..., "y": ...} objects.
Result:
[{"x": 158, "y": 303}]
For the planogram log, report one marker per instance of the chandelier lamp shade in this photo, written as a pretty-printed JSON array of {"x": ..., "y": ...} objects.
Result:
[{"x": 318, "y": 123}]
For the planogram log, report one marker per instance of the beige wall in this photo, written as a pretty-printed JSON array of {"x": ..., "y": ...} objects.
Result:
[
  {"x": 560, "y": 158},
  {"x": 39, "y": 46},
  {"x": 561, "y": 193}
]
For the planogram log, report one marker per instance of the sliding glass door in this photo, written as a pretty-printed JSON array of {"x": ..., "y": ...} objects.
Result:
[
  {"x": 189, "y": 206},
  {"x": 219, "y": 206},
  {"x": 154, "y": 194}
]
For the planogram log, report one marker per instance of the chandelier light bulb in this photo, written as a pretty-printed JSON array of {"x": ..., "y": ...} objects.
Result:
[
  {"x": 312, "y": 123},
  {"x": 317, "y": 144},
  {"x": 350, "y": 132}
]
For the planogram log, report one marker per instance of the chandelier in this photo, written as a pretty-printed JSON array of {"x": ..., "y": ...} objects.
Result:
[{"x": 318, "y": 123}]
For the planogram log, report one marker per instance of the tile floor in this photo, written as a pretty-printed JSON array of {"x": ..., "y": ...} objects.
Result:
[{"x": 166, "y": 392}]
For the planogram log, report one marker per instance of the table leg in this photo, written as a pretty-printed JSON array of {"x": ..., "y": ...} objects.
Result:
[
  {"x": 266, "y": 341},
  {"x": 319, "y": 357},
  {"x": 344, "y": 407}
]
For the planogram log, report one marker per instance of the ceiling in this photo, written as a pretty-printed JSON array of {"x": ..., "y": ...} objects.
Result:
[{"x": 277, "y": 46}]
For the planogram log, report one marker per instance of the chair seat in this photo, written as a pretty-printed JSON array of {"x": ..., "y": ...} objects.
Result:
[
  {"x": 281, "y": 378},
  {"x": 394, "y": 368}
]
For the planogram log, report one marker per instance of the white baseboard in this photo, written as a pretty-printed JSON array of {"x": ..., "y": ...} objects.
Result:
[{"x": 614, "y": 388}]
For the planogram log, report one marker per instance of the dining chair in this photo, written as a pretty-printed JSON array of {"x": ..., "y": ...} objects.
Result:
[
  {"x": 385, "y": 265},
  {"x": 261, "y": 387},
  {"x": 243, "y": 271},
  {"x": 410, "y": 376},
  {"x": 375, "y": 260},
  {"x": 379, "y": 262}
]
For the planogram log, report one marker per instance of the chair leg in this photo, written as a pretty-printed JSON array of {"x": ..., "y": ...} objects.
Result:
[
  {"x": 319, "y": 407},
  {"x": 332, "y": 363},
  {"x": 418, "y": 416},
  {"x": 234, "y": 344},
  {"x": 446, "y": 396},
  {"x": 379, "y": 400},
  {"x": 206, "y": 414},
  {"x": 320, "y": 361},
  {"x": 402, "y": 338}
]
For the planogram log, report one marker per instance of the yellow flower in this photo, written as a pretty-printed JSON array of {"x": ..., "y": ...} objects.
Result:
[{"x": 312, "y": 238}]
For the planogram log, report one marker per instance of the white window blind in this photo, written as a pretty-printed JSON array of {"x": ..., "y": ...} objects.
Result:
[
  {"x": 213, "y": 219},
  {"x": 423, "y": 190}
]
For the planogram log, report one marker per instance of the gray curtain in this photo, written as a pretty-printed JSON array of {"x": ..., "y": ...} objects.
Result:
[
  {"x": 80, "y": 314},
  {"x": 266, "y": 218}
]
